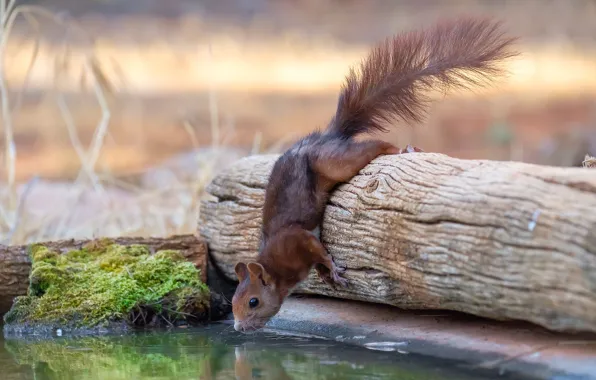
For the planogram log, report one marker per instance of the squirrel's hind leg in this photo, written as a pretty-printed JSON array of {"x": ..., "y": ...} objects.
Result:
[{"x": 340, "y": 160}]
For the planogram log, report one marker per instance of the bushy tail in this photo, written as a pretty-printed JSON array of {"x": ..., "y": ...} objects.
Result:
[{"x": 392, "y": 82}]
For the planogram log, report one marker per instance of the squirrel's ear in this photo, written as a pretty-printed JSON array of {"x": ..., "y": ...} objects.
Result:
[
  {"x": 241, "y": 271},
  {"x": 256, "y": 270}
]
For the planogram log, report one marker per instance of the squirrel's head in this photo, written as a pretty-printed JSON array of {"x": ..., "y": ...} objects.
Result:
[{"x": 256, "y": 299}]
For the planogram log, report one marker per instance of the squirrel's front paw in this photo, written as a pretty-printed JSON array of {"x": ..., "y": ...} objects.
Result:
[
  {"x": 332, "y": 277},
  {"x": 337, "y": 279}
]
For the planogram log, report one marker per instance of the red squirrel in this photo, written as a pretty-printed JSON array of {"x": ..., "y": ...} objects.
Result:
[{"x": 390, "y": 84}]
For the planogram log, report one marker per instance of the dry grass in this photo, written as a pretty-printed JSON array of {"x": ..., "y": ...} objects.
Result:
[
  {"x": 157, "y": 202},
  {"x": 93, "y": 204},
  {"x": 12, "y": 211}
]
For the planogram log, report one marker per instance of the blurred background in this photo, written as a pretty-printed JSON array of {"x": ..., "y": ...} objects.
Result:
[{"x": 120, "y": 112}]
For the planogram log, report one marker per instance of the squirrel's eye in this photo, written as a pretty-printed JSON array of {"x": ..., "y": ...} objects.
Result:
[{"x": 254, "y": 302}]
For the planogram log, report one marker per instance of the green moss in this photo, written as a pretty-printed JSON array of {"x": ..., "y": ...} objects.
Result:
[
  {"x": 104, "y": 282},
  {"x": 44, "y": 275},
  {"x": 41, "y": 253},
  {"x": 21, "y": 307}
]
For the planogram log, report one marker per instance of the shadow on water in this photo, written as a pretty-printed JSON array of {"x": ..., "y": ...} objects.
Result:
[{"x": 214, "y": 352}]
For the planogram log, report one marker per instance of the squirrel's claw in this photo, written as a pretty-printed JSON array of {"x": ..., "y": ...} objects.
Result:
[
  {"x": 332, "y": 277},
  {"x": 410, "y": 149},
  {"x": 336, "y": 276},
  {"x": 337, "y": 279}
]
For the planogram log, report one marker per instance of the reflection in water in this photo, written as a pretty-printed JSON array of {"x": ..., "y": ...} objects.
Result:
[
  {"x": 246, "y": 367},
  {"x": 214, "y": 352}
]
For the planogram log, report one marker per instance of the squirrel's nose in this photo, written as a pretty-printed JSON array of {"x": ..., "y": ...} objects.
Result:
[{"x": 237, "y": 326}]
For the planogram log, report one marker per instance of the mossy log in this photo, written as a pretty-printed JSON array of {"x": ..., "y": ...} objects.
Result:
[
  {"x": 503, "y": 240},
  {"x": 15, "y": 263}
]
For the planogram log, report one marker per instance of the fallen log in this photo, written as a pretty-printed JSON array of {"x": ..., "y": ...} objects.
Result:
[
  {"x": 503, "y": 240},
  {"x": 15, "y": 263}
]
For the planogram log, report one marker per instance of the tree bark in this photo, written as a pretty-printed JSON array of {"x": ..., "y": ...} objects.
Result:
[
  {"x": 15, "y": 263},
  {"x": 502, "y": 240}
]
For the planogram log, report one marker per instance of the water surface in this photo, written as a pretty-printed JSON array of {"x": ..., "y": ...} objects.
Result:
[{"x": 213, "y": 352}]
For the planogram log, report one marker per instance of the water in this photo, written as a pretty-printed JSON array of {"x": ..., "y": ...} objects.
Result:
[{"x": 214, "y": 352}]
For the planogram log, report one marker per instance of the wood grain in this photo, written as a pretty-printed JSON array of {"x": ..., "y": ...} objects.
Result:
[{"x": 503, "y": 240}]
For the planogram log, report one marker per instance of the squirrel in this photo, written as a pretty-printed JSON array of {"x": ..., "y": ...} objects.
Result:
[{"x": 389, "y": 85}]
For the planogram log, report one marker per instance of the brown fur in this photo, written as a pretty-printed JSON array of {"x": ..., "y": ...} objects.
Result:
[{"x": 390, "y": 84}]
